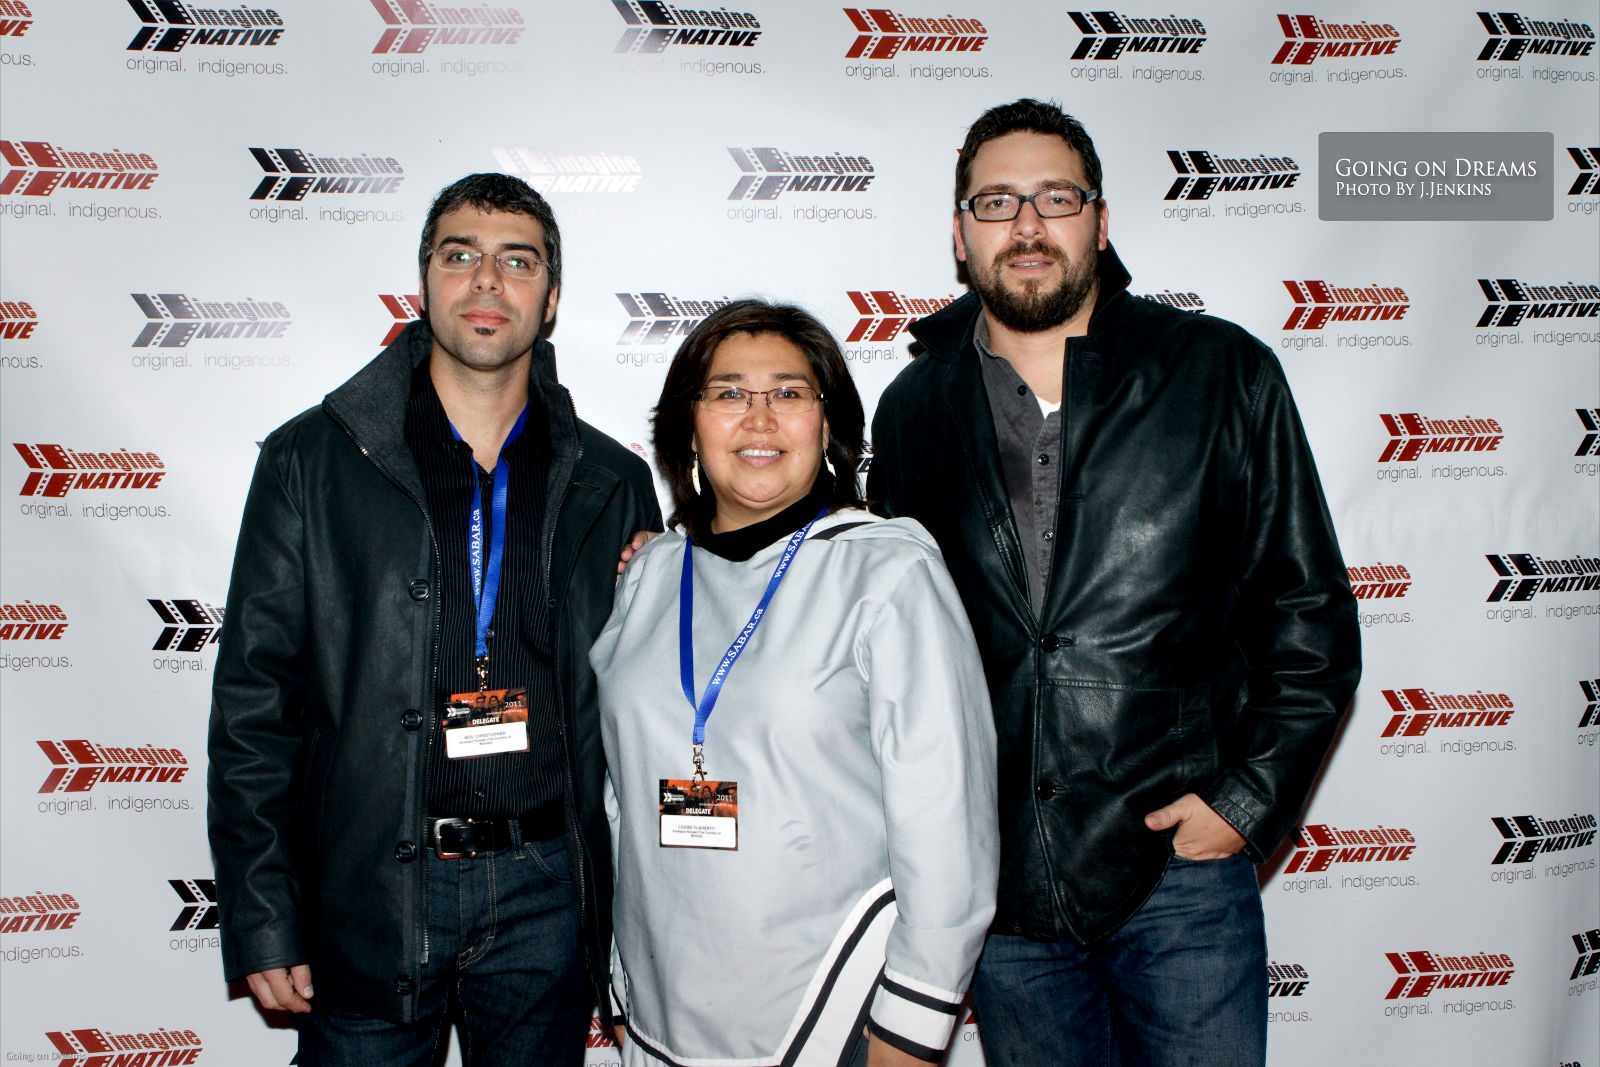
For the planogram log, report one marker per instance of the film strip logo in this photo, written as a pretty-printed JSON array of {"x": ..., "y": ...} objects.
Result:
[
  {"x": 1511, "y": 301},
  {"x": 38, "y": 168},
  {"x": 1411, "y": 435},
  {"x": 1511, "y": 37},
  {"x": 1106, "y": 34},
  {"x": 1317, "y": 303},
  {"x": 1421, "y": 972},
  {"x": 1308, "y": 38},
  {"x": 405, "y": 309},
  {"x": 77, "y": 766},
  {"x": 190, "y": 625},
  {"x": 1416, "y": 711},
  {"x": 1522, "y": 575},
  {"x": 1590, "y": 445},
  {"x": 293, "y": 173},
  {"x": 199, "y": 896},
  {"x": 1588, "y": 179},
  {"x": 175, "y": 319},
  {"x": 1202, "y": 173},
  {"x": 1588, "y": 961},
  {"x": 412, "y": 26},
  {"x": 654, "y": 26},
  {"x": 170, "y": 25},
  {"x": 884, "y": 34},
  {"x": 54, "y": 471},
  {"x": 656, "y": 318},
  {"x": 769, "y": 172},
  {"x": 1319, "y": 846},
  {"x": 1525, "y": 836},
  {"x": 1591, "y": 694},
  {"x": 885, "y": 313},
  {"x": 101, "y": 1048},
  {"x": 595, "y": 172}
]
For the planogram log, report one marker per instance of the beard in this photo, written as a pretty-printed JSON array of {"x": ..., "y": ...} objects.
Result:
[{"x": 1034, "y": 308}]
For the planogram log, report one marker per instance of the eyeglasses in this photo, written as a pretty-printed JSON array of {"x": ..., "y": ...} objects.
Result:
[
  {"x": 456, "y": 259},
  {"x": 784, "y": 400},
  {"x": 1058, "y": 203}
]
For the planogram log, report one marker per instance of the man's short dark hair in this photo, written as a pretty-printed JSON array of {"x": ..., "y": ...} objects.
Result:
[
  {"x": 494, "y": 192},
  {"x": 1033, "y": 116},
  {"x": 673, "y": 425}
]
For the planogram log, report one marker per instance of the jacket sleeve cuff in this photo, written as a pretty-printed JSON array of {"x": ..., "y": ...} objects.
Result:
[
  {"x": 913, "y": 1016},
  {"x": 1240, "y": 809}
]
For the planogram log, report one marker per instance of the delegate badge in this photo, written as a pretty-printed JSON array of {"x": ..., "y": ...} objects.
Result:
[
  {"x": 486, "y": 722},
  {"x": 699, "y": 814}
]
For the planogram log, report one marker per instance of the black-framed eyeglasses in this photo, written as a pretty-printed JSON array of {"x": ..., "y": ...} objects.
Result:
[
  {"x": 459, "y": 259},
  {"x": 1058, "y": 203},
  {"x": 784, "y": 400}
]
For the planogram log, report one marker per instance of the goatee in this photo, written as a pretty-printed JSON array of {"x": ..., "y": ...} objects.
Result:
[{"x": 1032, "y": 308}]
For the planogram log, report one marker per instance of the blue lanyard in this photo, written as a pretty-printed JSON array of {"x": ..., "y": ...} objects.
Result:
[
  {"x": 702, "y": 708},
  {"x": 486, "y": 587}
]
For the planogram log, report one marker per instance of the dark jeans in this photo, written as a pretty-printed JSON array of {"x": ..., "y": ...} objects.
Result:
[
  {"x": 503, "y": 962},
  {"x": 1183, "y": 983}
]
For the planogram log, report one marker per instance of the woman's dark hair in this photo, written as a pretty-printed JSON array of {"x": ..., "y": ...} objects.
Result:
[{"x": 673, "y": 423}]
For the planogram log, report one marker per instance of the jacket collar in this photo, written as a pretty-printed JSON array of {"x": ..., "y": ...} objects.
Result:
[
  {"x": 947, "y": 332},
  {"x": 371, "y": 406}
]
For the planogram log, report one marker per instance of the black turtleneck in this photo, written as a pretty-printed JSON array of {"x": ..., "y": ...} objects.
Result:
[{"x": 739, "y": 545}]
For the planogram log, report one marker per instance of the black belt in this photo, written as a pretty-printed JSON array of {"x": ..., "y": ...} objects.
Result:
[{"x": 454, "y": 838}]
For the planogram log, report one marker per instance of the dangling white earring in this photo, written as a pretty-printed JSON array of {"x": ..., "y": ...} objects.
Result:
[
  {"x": 694, "y": 473},
  {"x": 826, "y": 462}
]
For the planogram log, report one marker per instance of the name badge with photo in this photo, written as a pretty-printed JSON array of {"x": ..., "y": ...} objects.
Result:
[
  {"x": 699, "y": 814},
  {"x": 486, "y": 723}
]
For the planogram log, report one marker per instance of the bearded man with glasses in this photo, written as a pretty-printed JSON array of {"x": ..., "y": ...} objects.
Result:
[
  {"x": 1126, "y": 500},
  {"x": 405, "y": 777}
]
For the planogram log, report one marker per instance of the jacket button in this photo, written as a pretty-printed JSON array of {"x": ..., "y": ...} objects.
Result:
[
  {"x": 411, "y": 719},
  {"x": 1045, "y": 789},
  {"x": 405, "y": 852},
  {"x": 403, "y": 984},
  {"x": 1049, "y": 642},
  {"x": 418, "y": 589}
]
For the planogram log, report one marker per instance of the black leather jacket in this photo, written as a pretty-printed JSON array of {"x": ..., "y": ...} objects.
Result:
[
  {"x": 1198, "y": 632},
  {"x": 326, "y": 676}
]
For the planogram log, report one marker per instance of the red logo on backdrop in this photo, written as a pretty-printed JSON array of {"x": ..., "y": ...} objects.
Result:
[
  {"x": 414, "y": 25},
  {"x": 54, "y": 470},
  {"x": 600, "y": 1034},
  {"x": 405, "y": 309},
  {"x": 885, "y": 33},
  {"x": 886, "y": 312},
  {"x": 37, "y": 912},
  {"x": 15, "y": 18},
  {"x": 1317, "y": 303},
  {"x": 38, "y": 167},
  {"x": 1422, "y": 972},
  {"x": 17, "y": 320},
  {"x": 1419, "y": 710},
  {"x": 1319, "y": 846},
  {"x": 78, "y": 766},
  {"x": 1380, "y": 581},
  {"x": 1411, "y": 435},
  {"x": 1308, "y": 38},
  {"x": 95, "y": 1048},
  {"x": 28, "y": 621}
]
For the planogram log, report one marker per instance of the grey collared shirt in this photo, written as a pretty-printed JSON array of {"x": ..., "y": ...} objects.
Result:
[{"x": 1030, "y": 449}]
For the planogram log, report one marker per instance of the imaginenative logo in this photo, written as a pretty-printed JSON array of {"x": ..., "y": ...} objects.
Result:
[
  {"x": 28, "y": 621},
  {"x": 1319, "y": 846},
  {"x": 1379, "y": 581},
  {"x": 1512, "y": 36},
  {"x": 39, "y": 168},
  {"x": 1107, "y": 34},
  {"x": 1416, "y": 711},
  {"x": 77, "y": 766},
  {"x": 199, "y": 896},
  {"x": 1202, "y": 174},
  {"x": 1590, "y": 445},
  {"x": 189, "y": 625},
  {"x": 594, "y": 172},
  {"x": 1308, "y": 38},
  {"x": 884, "y": 34},
  {"x": 1588, "y": 961},
  {"x": 1411, "y": 435},
  {"x": 1317, "y": 303},
  {"x": 1524, "y": 575},
  {"x": 1421, "y": 972},
  {"x": 1287, "y": 979},
  {"x": 17, "y": 320},
  {"x": 654, "y": 26},
  {"x": 1527, "y": 836},
  {"x": 1591, "y": 696},
  {"x": 1182, "y": 301},
  {"x": 885, "y": 313},
  {"x": 655, "y": 318},
  {"x": 161, "y": 1047},
  {"x": 38, "y": 912},
  {"x": 1588, "y": 179},
  {"x": 1510, "y": 301},
  {"x": 176, "y": 319},
  {"x": 55, "y": 470},
  {"x": 769, "y": 173},
  {"x": 294, "y": 173},
  {"x": 405, "y": 309},
  {"x": 413, "y": 26},
  {"x": 171, "y": 25},
  {"x": 15, "y": 18}
]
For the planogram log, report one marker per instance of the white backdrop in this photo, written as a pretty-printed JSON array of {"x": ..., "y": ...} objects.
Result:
[{"x": 169, "y": 292}]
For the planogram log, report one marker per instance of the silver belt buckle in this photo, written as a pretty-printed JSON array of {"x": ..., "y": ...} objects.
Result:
[{"x": 438, "y": 846}]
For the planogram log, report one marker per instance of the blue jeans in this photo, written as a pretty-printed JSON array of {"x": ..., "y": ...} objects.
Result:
[
  {"x": 503, "y": 962},
  {"x": 1184, "y": 982}
]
